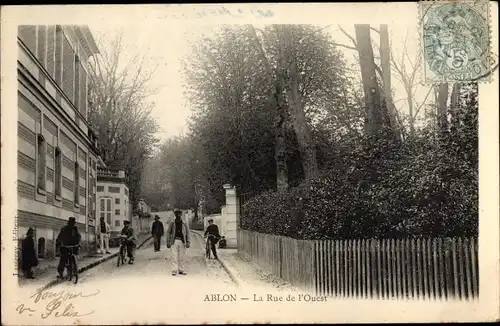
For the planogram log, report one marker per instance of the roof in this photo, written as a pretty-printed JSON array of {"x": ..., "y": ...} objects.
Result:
[
  {"x": 89, "y": 46},
  {"x": 100, "y": 162}
]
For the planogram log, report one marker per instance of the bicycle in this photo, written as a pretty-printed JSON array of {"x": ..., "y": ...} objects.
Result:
[
  {"x": 122, "y": 252},
  {"x": 71, "y": 264}
]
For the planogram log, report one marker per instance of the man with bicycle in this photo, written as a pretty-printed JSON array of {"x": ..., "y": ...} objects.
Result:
[
  {"x": 130, "y": 241},
  {"x": 68, "y": 236},
  {"x": 212, "y": 232}
]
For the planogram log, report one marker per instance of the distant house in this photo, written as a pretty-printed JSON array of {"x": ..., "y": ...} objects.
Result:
[
  {"x": 57, "y": 153},
  {"x": 113, "y": 198}
]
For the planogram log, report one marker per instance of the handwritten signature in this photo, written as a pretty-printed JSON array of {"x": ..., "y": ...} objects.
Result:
[{"x": 59, "y": 304}]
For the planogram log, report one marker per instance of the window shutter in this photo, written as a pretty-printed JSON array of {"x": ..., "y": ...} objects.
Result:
[
  {"x": 51, "y": 50},
  {"x": 59, "y": 55},
  {"x": 68, "y": 69},
  {"x": 42, "y": 44},
  {"x": 27, "y": 34},
  {"x": 83, "y": 91},
  {"x": 76, "y": 99}
]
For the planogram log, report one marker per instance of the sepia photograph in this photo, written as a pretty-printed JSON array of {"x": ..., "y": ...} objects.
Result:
[{"x": 250, "y": 163}]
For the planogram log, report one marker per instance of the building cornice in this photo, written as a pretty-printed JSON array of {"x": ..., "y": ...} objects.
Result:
[{"x": 89, "y": 45}]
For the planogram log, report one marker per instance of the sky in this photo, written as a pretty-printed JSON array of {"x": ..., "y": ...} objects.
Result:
[{"x": 166, "y": 44}]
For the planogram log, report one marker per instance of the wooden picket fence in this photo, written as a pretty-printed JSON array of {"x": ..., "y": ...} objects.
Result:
[{"x": 439, "y": 268}]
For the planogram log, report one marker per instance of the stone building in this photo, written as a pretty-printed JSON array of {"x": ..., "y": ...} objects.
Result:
[
  {"x": 113, "y": 198},
  {"x": 57, "y": 151}
]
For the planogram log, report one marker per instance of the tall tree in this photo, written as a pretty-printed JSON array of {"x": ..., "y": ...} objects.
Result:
[
  {"x": 120, "y": 112},
  {"x": 374, "y": 110}
]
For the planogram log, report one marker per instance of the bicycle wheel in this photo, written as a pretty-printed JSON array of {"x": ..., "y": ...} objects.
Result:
[
  {"x": 119, "y": 258},
  {"x": 69, "y": 268},
  {"x": 207, "y": 250},
  {"x": 74, "y": 266}
]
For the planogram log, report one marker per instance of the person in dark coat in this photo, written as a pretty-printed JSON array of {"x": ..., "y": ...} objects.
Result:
[
  {"x": 212, "y": 229},
  {"x": 68, "y": 236},
  {"x": 129, "y": 233},
  {"x": 157, "y": 232},
  {"x": 28, "y": 254}
]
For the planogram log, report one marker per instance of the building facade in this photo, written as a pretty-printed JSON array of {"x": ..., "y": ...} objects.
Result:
[
  {"x": 113, "y": 198},
  {"x": 57, "y": 151}
]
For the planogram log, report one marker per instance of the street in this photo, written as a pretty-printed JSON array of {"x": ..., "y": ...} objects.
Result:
[{"x": 111, "y": 294}]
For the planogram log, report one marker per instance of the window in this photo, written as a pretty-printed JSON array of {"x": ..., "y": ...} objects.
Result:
[
  {"x": 83, "y": 91},
  {"x": 51, "y": 49},
  {"x": 57, "y": 171},
  {"x": 76, "y": 184},
  {"x": 42, "y": 44},
  {"x": 27, "y": 34},
  {"x": 59, "y": 55},
  {"x": 76, "y": 99},
  {"x": 41, "y": 157},
  {"x": 100, "y": 188},
  {"x": 41, "y": 248},
  {"x": 117, "y": 201},
  {"x": 106, "y": 209},
  {"x": 117, "y": 222},
  {"x": 68, "y": 70},
  {"x": 117, "y": 212},
  {"x": 114, "y": 189}
]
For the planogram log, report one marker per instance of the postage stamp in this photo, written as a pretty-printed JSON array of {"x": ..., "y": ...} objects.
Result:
[{"x": 455, "y": 40}]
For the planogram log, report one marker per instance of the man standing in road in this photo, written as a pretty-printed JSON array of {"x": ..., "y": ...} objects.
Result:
[
  {"x": 178, "y": 239},
  {"x": 104, "y": 231},
  {"x": 157, "y": 232}
]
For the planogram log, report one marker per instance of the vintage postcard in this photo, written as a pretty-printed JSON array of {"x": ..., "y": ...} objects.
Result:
[{"x": 250, "y": 163}]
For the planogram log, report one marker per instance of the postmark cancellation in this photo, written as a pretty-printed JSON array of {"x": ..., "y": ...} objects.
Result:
[{"x": 455, "y": 40}]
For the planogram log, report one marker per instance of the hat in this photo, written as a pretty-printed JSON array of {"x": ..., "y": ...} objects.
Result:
[
  {"x": 210, "y": 219},
  {"x": 177, "y": 212},
  {"x": 30, "y": 231},
  {"x": 72, "y": 220},
  {"x": 126, "y": 222},
  {"x": 157, "y": 217}
]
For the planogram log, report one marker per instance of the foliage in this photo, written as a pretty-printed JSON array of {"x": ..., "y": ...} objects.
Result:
[
  {"x": 370, "y": 184},
  {"x": 427, "y": 187},
  {"x": 234, "y": 121},
  {"x": 120, "y": 113}
]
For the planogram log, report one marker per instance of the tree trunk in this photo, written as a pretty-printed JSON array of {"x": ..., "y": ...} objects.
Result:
[
  {"x": 454, "y": 109},
  {"x": 306, "y": 145},
  {"x": 442, "y": 111},
  {"x": 409, "y": 93},
  {"x": 385, "y": 63},
  {"x": 277, "y": 102},
  {"x": 374, "y": 121},
  {"x": 280, "y": 139}
]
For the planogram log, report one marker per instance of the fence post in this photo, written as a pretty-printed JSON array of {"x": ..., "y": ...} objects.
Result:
[
  {"x": 455, "y": 269},
  {"x": 448, "y": 269},
  {"x": 474, "y": 262},
  {"x": 425, "y": 262},
  {"x": 419, "y": 268},
  {"x": 441, "y": 268},
  {"x": 398, "y": 268},
  {"x": 373, "y": 273},
  {"x": 467, "y": 268}
]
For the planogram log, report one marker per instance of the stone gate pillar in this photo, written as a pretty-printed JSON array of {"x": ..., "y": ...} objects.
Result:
[{"x": 231, "y": 216}]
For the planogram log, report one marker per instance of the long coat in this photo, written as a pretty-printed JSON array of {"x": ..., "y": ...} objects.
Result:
[
  {"x": 157, "y": 228},
  {"x": 28, "y": 255}
]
